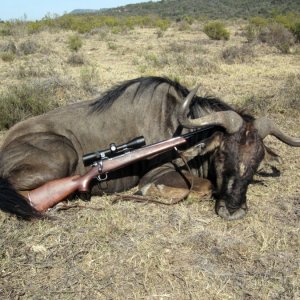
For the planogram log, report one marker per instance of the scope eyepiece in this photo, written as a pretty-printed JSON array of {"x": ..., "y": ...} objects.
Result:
[{"x": 113, "y": 150}]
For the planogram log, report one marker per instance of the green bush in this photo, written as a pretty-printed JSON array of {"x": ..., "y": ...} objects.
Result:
[
  {"x": 281, "y": 31},
  {"x": 251, "y": 33},
  {"x": 259, "y": 22},
  {"x": 34, "y": 27},
  {"x": 296, "y": 31},
  {"x": 74, "y": 42},
  {"x": 162, "y": 24},
  {"x": 252, "y": 30},
  {"x": 216, "y": 31},
  {"x": 290, "y": 21},
  {"x": 6, "y": 29},
  {"x": 22, "y": 101}
]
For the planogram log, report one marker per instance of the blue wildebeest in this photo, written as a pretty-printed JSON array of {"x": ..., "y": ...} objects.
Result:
[{"x": 228, "y": 154}]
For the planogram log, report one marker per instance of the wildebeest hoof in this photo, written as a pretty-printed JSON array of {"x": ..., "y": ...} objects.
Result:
[{"x": 223, "y": 212}]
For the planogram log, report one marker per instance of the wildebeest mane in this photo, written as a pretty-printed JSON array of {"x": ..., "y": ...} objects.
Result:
[
  {"x": 205, "y": 104},
  {"x": 105, "y": 101}
]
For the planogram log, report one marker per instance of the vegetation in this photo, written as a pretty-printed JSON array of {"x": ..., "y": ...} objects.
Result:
[
  {"x": 23, "y": 101},
  {"x": 75, "y": 59},
  {"x": 217, "y": 9},
  {"x": 281, "y": 31},
  {"x": 28, "y": 47},
  {"x": 88, "y": 23},
  {"x": 216, "y": 31},
  {"x": 237, "y": 54},
  {"x": 74, "y": 42},
  {"x": 277, "y": 35},
  {"x": 7, "y": 56}
]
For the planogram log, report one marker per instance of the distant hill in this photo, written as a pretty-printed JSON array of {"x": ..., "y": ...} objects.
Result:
[
  {"x": 86, "y": 11},
  {"x": 208, "y": 8}
]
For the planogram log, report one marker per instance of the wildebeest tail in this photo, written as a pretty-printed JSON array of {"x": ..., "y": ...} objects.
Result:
[{"x": 12, "y": 202}]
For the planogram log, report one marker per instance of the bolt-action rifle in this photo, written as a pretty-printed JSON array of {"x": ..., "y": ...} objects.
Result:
[{"x": 102, "y": 162}]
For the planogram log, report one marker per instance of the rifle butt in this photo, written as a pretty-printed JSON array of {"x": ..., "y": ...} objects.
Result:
[{"x": 52, "y": 192}]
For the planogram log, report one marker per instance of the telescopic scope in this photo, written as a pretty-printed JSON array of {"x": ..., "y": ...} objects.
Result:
[{"x": 113, "y": 150}]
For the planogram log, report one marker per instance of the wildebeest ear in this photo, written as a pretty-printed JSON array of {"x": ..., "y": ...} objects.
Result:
[
  {"x": 271, "y": 160},
  {"x": 205, "y": 146}
]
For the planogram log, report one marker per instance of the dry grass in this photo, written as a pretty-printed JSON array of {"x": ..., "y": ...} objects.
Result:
[{"x": 146, "y": 251}]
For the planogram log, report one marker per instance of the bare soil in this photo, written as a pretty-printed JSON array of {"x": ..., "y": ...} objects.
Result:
[{"x": 131, "y": 250}]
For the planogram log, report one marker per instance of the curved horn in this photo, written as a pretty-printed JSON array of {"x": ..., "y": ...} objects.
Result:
[
  {"x": 267, "y": 127},
  {"x": 230, "y": 120}
]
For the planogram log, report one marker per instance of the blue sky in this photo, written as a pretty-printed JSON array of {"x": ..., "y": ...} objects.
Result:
[{"x": 37, "y": 9}]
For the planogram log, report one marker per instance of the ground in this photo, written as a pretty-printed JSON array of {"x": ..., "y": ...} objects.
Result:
[{"x": 131, "y": 250}]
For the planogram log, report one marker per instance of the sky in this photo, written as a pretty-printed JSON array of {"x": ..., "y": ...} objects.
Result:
[{"x": 37, "y": 9}]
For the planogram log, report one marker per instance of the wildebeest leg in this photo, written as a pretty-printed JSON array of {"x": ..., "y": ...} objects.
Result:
[
  {"x": 34, "y": 159},
  {"x": 165, "y": 181}
]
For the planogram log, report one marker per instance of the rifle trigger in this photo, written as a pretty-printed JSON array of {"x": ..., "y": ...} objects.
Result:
[{"x": 100, "y": 177}]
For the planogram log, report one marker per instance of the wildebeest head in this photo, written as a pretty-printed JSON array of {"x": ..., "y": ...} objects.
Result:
[{"x": 236, "y": 151}]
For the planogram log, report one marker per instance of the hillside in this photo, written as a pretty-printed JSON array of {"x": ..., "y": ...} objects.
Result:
[{"x": 207, "y": 8}]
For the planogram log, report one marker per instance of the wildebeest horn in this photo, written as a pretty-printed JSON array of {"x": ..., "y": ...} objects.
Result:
[
  {"x": 229, "y": 120},
  {"x": 267, "y": 127}
]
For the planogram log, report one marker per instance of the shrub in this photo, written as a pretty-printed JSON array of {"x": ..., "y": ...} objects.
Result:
[
  {"x": 8, "y": 47},
  {"x": 290, "y": 21},
  {"x": 28, "y": 47},
  {"x": 34, "y": 27},
  {"x": 22, "y": 101},
  {"x": 288, "y": 95},
  {"x": 184, "y": 26},
  {"x": 112, "y": 46},
  {"x": 7, "y": 56},
  {"x": 252, "y": 30},
  {"x": 8, "y": 51},
  {"x": 159, "y": 34},
  {"x": 28, "y": 69},
  {"x": 6, "y": 29},
  {"x": 89, "y": 79},
  {"x": 162, "y": 24},
  {"x": 74, "y": 42},
  {"x": 216, "y": 31},
  {"x": 286, "y": 99},
  {"x": 296, "y": 31},
  {"x": 237, "y": 54},
  {"x": 251, "y": 33},
  {"x": 75, "y": 59},
  {"x": 277, "y": 35},
  {"x": 259, "y": 22}
]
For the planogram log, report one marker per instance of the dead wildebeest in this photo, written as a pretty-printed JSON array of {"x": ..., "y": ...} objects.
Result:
[{"x": 228, "y": 154}]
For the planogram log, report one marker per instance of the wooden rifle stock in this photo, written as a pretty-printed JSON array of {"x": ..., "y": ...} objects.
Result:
[{"x": 57, "y": 190}]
